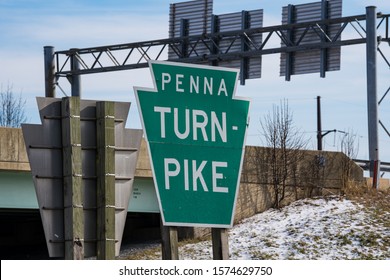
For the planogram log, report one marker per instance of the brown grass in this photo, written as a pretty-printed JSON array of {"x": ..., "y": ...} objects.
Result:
[{"x": 366, "y": 195}]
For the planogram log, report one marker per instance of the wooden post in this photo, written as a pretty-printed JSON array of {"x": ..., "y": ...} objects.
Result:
[
  {"x": 169, "y": 243},
  {"x": 105, "y": 165},
  {"x": 72, "y": 173},
  {"x": 220, "y": 240}
]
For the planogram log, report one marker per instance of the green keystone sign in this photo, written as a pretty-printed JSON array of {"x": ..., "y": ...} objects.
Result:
[{"x": 195, "y": 128}]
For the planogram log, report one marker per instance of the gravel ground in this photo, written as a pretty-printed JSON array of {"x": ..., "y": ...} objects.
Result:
[{"x": 131, "y": 249}]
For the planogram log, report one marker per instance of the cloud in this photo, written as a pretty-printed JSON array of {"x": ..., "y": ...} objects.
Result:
[
  {"x": 73, "y": 31},
  {"x": 26, "y": 33},
  {"x": 78, "y": 24}
]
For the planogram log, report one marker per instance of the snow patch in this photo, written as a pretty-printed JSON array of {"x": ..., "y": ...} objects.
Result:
[{"x": 331, "y": 228}]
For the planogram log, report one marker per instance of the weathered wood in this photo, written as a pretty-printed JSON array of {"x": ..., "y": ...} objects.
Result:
[
  {"x": 105, "y": 165},
  {"x": 169, "y": 243},
  {"x": 72, "y": 173},
  {"x": 220, "y": 240}
]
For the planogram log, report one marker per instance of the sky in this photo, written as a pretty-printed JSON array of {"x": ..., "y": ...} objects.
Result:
[{"x": 26, "y": 26}]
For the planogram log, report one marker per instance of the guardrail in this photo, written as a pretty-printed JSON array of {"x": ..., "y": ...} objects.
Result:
[{"x": 365, "y": 164}]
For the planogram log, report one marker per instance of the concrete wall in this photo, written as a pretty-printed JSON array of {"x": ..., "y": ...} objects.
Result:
[
  {"x": 13, "y": 155},
  {"x": 317, "y": 173},
  {"x": 311, "y": 176}
]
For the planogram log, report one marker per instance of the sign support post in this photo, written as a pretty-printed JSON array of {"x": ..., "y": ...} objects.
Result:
[
  {"x": 169, "y": 243},
  {"x": 105, "y": 165},
  {"x": 72, "y": 172},
  {"x": 220, "y": 241}
]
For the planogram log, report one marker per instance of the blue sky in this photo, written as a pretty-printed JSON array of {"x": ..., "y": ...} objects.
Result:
[{"x": 26, "y": 26}]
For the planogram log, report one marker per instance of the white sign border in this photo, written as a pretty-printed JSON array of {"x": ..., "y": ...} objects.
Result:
[{"x": 234, "y": 97}]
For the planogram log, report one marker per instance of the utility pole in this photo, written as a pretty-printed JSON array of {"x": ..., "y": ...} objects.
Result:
[
  {"x": 321, "y": 135},
  {"x": 319, "y": 125}
]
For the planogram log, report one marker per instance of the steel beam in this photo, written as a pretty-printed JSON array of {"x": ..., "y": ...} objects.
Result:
[
  {"x": 244, "y": 47},
  {"x": 372, "y": 98},
  {"x": 324, "y": 52},
  {"x": 50, "y": 73},
  {"x": 75, "y": 76}
]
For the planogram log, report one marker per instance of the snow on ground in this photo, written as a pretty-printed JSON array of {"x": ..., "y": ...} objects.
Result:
[
  {"x": 332, "y": 228},
  {"x": 324, "y": 228}
]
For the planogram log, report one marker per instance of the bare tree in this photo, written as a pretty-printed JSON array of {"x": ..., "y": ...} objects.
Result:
[
  {"x": 286, "y": 143},
  {"x": 350, "y": 147},
  {"x": 349, "y": 144},
  {"x": 11, "y": 108}
]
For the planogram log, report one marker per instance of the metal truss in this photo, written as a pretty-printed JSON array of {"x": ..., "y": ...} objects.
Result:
[
  {"x": 386, "y": 60},
  {"x": 219, "y": 47},
  {"x": 136, "y": 55}
]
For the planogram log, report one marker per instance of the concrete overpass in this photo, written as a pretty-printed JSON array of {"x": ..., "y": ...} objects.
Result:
[
  {"x": 17, "y": 188},
  {"x": 19, "y": 212}
]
